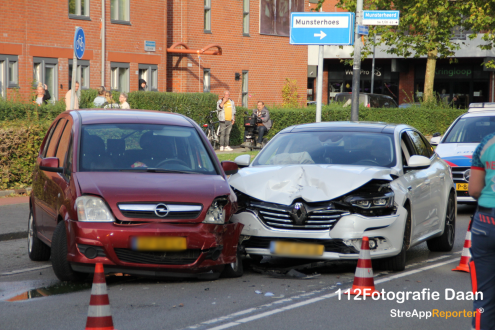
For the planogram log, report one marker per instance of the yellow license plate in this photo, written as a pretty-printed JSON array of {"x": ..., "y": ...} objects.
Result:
[
  {"x": 148, "y": 243},
  {"x": 461, "y": 186},
  {"x": 297, "y": 249}
]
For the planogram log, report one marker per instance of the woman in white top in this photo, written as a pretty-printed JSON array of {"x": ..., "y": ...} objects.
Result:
[
  {"x": 42, "y": 94},
  {"x": 123, "y": 101}
]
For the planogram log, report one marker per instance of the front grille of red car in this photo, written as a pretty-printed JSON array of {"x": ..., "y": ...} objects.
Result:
[
  {"x": 147, "y": 210},
  {"x": 331, "y": 245},
  {"x": 158, "y": 258}
]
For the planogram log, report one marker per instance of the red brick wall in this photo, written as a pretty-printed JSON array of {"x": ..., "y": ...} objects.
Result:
[
  {"x": 269, "y": 59},
  {"x": 406, "y": 85},
  {"x": 47, "y": 31}
]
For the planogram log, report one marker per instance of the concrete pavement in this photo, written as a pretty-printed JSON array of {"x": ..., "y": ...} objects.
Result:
[{"x": 14, "y": 213}]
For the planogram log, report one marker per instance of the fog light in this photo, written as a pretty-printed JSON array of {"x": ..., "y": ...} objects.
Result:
[
  {"x": 90, "y": 253},
  {"x": 372, "y": 244}
]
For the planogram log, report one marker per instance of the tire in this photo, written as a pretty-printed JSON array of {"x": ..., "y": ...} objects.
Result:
[
  {"x": 61, "y": 266},
  {"x": 445, "y": 243},
  {"x": 37, "y": 250},
  {"x": 234, "y": 269},
  {"x": 398, "y": 262}
]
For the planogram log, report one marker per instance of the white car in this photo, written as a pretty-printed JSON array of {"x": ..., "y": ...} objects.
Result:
[
  {"x": 316, "y": 189},
  {"x": 460, "y": 140}
]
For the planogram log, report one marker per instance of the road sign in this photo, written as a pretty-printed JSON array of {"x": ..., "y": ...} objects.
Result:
[
  {"x": 363, "y": 29},
  {"x": 322, "y": 29},
  {"x": 381, "y": 17},
  {"x": 79, "y": 43},
  {"x": 149, "y": 46}
]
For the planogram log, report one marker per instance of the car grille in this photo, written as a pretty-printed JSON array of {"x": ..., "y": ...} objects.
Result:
[
  {"x": 331, "y": 245},
  {"x": 458, "y": 176},
  {"x": 158, "y": 258},
  {"x": 319, "y": 217},
  {"x": 147, "y": 210}
]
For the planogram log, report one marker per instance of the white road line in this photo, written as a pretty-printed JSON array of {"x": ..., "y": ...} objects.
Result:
[
  {"x": 24, "y": 270},
  {"x": 306, "y": 302}
]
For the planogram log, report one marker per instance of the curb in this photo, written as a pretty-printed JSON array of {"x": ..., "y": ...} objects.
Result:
[
  {"x": 11, "y": 236},
  {"x": 26, "y": 191}
]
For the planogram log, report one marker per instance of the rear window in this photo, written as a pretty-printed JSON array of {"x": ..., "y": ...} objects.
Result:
[
  {"x": 471, "y": 130},
  {"x": 138, "y": 147}
]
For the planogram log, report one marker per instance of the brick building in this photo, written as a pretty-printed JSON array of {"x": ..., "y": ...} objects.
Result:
[{"x": 251, "y": 35}]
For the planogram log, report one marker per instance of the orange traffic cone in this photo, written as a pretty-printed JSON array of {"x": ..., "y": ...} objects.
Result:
[
  {"x": 363, "y": 279},
  {"x": 466, "y": 254},
  {"x": 99, "y": 316}
]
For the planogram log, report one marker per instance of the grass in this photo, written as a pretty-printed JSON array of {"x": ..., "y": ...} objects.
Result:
[{"x": 231, "y": 156}]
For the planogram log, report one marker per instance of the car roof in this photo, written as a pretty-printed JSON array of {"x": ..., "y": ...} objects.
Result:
[
  {"x": 91, "y": 116},
  {"x": 482, "y": 106},
  {"x": 485, "y": 113},
  {"x": 345, "y": 126}
]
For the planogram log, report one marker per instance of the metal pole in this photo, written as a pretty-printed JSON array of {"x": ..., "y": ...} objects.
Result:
[
  {"x": 356, "y": 68},
  {"x": 73, "y": 84},
  {"x": 373, "y": 67},
  {"x": 103, "y": 33},
  {"x": 319, "y": 84}
]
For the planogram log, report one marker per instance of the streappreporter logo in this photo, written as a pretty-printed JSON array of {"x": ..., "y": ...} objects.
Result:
[{"x": 433, "y": 313}]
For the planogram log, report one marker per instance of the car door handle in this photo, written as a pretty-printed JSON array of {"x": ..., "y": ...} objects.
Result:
[
  {"x": 427, "y": 182},
  {"x": 442, "y": 176}
]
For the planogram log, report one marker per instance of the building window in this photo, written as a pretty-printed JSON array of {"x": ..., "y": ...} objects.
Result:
[
  {"x": 79, "y": 9},
  {"x": 82, "y": 74},
  {"x": 206, "y": 80},
  {"x": 119, "y": 11},
  {"x": 245, "y": 88},
  {"x": 207, "y": 26},
  {"x": 245, "y": 18},
  {"x": 120, "y": 76},
  {"x": 149, "y": 73},
  {"x": 45, "y": 71},
  {"x": 9, "y": 73}
]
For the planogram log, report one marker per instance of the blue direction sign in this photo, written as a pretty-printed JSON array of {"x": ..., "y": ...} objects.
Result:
[
  {"x": 322, "y": 29},
  {"x": 79, "y": 43},
  {"x": 363, "y": 29},
  {"x": 381, "y": 17}
]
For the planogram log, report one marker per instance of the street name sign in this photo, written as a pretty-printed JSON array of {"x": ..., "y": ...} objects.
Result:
[
  {"x": 322, "y": 29},
  {"x": 149, "y": 46},
  {"x": 363, "y": 29},
  {"x": 79, "y": 43},
  {"x": 381, "y": 17}
]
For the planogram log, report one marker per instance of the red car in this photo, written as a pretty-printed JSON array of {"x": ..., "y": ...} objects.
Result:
[{"x": 140, "y": 191}]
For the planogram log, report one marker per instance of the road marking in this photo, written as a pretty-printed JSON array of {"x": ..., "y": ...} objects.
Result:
[
  {"x": 305, "y": 302},
  {"x": 24, "y": 270}
]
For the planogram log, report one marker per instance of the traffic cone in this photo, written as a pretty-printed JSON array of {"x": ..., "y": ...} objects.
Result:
[
  {"x": 99, "y": 316},
  {"x": 466, "y": 254},
  {"x": 363, "y": 279}
]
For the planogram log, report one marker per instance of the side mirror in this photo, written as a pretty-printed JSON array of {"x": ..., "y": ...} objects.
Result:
[
  {"x": 417, "y": 162},
  {"x": 435, "y": 140},
  {"x": 243, "y": 160},
  {"x": 229, "y": 167},
  {"x": 50, "y": 164}
]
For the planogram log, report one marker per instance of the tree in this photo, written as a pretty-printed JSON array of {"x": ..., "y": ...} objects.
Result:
[
  {"x": 425, "y": 29},
  {"x": 480, "y": 18}
]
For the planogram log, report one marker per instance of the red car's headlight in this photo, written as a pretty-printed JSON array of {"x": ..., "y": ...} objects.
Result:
[{"x": 93, "y": 209}]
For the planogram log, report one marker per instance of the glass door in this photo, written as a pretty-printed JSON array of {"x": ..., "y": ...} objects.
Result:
[{"x": 50, "y": 80}]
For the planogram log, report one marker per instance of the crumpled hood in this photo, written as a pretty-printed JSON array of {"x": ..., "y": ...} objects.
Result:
[
  {"x": 456, "y": 154},
  {"x": 313, "y": 183}
]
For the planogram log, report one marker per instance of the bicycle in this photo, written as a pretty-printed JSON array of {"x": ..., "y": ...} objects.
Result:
[{"x": 212, "y": 130}]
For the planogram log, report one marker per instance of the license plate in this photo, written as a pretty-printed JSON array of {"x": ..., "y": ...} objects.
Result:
[
  {"x": 147, "y": 243},
  {"x": 296, "y": 249},
  {"x": 461, "y": 186}
]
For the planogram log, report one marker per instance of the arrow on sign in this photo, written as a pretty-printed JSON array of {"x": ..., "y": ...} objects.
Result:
[{"x": 321, "y": 35}]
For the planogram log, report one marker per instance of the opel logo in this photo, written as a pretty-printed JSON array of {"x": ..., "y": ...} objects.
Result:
[
  {"x": 161, "y": 210},
  {"x": 467, "y": 174},
  {"x": 299, "y": 214}
]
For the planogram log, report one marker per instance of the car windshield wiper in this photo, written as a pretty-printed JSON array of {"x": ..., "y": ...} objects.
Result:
[{"x": 155, "y": 170}]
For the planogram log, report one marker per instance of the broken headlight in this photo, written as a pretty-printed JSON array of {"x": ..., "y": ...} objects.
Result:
[
  {"x": 376, "y": 198},
  {"x": 370, "y": 202},
  {"x": 216, "y": 212}
]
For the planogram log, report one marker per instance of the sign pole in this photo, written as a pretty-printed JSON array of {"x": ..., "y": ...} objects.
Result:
[
  {"x": 73, "y": 84},
  {"x": 319, "y": 84},
  {"x": 356, "y": 68},
  {"x": 373, "y": 67}
]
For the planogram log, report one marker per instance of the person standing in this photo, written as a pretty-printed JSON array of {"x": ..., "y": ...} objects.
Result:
[
  {"x": 226, "y": 116},
  {"x": 100, "y": 100},
  {"x": 123, "y": 101},
  {"x": 76, "y": 99},
  {"x": 142, "y": 85},
  {"x": 482, "y": 188},
  {"x": 263, "y": 123},
  {"x": 42, "y": 94}
]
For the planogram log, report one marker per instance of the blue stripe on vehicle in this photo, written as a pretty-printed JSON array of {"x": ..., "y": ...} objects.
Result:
[{"x": 459, "y": 160}]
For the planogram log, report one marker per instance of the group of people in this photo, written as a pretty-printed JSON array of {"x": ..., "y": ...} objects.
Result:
[{"x": 226, "y": 116}]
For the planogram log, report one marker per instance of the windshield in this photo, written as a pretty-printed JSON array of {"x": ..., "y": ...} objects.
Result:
[
  {"x": 138, "y": 147},
  {"x": 343, "y": 148},
  {"x": 471, "y": 130}
]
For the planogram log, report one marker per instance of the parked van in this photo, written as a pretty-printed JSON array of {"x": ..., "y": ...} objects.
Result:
[{"x": 368, "y": 100}]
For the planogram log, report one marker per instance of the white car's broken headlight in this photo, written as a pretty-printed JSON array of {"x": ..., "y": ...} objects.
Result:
[{"x": 371, "y": 202}]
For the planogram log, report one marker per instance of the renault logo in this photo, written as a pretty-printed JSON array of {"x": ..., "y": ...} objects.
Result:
[
  {"x": 466, "y": 175},
  {"x": 299, "y": 214},
  {"x": 161, "y": 210}
]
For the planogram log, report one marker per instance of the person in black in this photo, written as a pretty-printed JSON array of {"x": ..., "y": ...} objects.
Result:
[
  {"x": 263, "y": 123},
  {"x": 142, "y": 85}
]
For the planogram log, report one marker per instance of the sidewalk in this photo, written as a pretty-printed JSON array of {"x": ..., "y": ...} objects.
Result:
[{"x": 14, "y": 213}]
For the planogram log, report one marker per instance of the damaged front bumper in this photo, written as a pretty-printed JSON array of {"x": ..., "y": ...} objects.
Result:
[{"x": 342, "y": 242}]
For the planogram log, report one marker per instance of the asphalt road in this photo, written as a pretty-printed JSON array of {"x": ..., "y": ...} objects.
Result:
[{"x": 233, "y": 303}]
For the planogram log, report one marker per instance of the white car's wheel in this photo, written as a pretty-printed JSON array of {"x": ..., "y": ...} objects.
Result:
[{"x": 445, "y": 242}]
